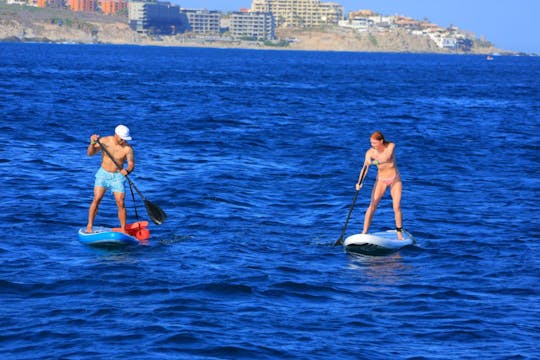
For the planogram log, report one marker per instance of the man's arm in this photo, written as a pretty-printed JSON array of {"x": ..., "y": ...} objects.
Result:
[
  {"x": 93, "y": 147},
  {"x": 130, "y": 158}
]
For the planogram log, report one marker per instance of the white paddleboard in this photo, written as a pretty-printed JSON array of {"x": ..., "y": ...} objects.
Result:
[{"x": 379, "y": 243}]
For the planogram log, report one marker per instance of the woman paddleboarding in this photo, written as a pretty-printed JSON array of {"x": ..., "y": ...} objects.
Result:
[{"x": 382, "y": 155}]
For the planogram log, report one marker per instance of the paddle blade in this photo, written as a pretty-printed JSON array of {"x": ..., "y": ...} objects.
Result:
[
  {"x": 339, "y": 241},
  {"x": 155, "y": 213}
]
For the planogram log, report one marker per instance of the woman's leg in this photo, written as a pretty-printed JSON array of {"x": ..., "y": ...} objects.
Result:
[
  {"x": 395, "y": 192},
  {"x": 378, "y": 191}
]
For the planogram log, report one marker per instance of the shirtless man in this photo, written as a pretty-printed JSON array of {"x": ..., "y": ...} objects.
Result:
[
  {"x": 382, "y": 154},
  {"x": 109, "y": 176}
]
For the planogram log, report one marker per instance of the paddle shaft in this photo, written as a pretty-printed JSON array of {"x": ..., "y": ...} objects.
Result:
[
  {"x": 340, "y": 240},
  {"x": 119, "y": 166},
  {"x": 361, "y": 181}
]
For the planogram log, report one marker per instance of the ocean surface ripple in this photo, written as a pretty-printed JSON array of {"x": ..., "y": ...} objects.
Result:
[{"x": 254, "y": 156}]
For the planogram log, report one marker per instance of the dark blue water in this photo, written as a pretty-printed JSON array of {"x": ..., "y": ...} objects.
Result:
[{"x": 254, "y": 156}]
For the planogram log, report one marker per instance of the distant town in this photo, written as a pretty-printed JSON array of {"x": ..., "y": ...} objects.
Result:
[{"x": 261, "y": 21}]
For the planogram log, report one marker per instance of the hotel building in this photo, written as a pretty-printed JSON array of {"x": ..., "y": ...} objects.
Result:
[{"x": 302, "y": 13}]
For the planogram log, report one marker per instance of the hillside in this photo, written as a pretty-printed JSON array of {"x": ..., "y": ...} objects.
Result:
[
  {"x": 24, "y": 23},
  {"x": 340, "y": 39},
  {"x": 30, "y": 24}
]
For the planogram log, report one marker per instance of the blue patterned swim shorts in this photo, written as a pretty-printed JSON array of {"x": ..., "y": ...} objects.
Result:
[{"x": 114, "y": 181}]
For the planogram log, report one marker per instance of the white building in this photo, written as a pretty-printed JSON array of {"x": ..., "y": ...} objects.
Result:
[
  {"x": 304, "y": 13},
  {"x": 203, "y": 21},
  {"x": 253, "y": 24}
]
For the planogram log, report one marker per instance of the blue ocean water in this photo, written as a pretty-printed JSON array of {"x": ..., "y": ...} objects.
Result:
[{"x": 254, "y": 156}]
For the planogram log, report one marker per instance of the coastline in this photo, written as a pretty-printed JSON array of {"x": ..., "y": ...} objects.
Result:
[{"x": 27, "y": 24}]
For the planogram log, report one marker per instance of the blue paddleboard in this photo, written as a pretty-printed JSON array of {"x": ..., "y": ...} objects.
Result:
[
  {"x": 379, "y": 243},
  {"x": 102, "y": 236}
]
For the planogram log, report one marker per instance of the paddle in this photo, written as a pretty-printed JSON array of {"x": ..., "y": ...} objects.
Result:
[
  {"x": 155, "y": 213},
  {"x": 362, "y": 177}
]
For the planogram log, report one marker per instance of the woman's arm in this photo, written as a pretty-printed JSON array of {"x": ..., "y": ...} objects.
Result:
[
  {"x": 387, "y": 155},
  {"x": 364, "y": 171}
]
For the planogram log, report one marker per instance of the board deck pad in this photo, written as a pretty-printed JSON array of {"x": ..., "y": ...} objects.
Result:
[{"x": 377, "y": 244}]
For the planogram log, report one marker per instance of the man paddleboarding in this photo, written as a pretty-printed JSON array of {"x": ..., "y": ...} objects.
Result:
[
  {"x": 382, "y": 155},
  {"x": 110, "y": 175}
]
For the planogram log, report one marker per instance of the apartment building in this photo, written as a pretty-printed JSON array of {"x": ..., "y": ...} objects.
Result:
[
  {"x": 301, "y": 13},
  {"x": 82, "y": 5},
  {"x": 107, "y": 6},
  {"x": 255, "y": 25},
  {"x": 157, "y": 17},
  {"x": 111, "y": 7},
  {"x": 203, "y": 21}
]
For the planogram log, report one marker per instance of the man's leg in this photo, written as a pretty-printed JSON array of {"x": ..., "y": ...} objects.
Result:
[
  {"x": 122, "y": 215},
  {"x": 92, "y": 212}
]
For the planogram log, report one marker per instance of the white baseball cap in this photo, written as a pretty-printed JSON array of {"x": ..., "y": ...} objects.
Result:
[{"x": 123, "y": 132}]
